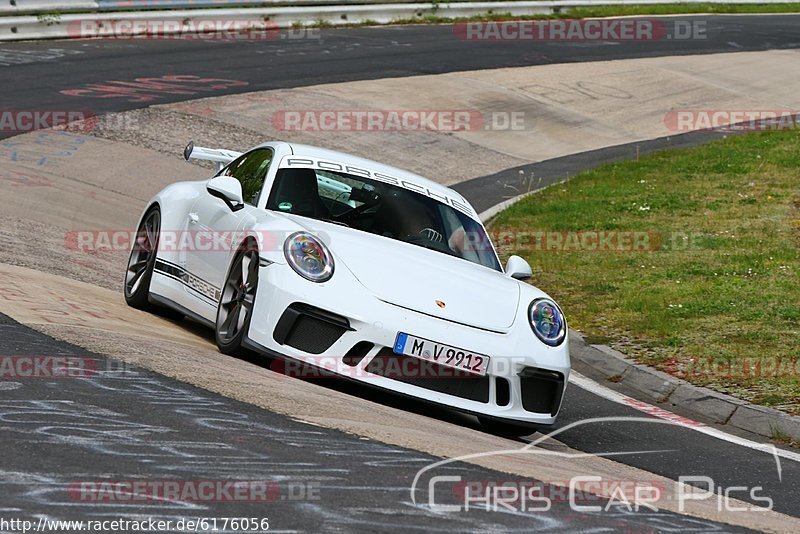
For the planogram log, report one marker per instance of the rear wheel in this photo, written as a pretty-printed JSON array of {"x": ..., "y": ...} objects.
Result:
[
  {"x": 142, "y": 261},
  {"x": 236, "y": 303}
]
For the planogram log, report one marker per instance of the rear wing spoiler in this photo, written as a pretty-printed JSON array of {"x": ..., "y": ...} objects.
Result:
[{"x": 218, "y": 155}]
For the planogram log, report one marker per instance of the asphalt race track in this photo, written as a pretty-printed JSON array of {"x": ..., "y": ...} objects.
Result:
[
  {"x": 134, "y": 423},
  {"x": 340, "y": 55},
  {"x": 156, "y": 427}
]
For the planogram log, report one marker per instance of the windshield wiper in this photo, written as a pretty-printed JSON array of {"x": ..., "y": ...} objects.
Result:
[{"x": 339, "y": 223}]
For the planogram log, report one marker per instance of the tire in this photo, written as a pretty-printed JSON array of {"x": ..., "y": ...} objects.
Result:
[
  {"x": 238, "y": 296},
  {"x": 501, "y": 428},
  {"x": 142, "y": 261}
]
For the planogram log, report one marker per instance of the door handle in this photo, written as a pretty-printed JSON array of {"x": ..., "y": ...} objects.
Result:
[{"x": 193, "y": 218}]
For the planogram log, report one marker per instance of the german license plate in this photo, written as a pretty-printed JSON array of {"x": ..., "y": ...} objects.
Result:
[{"x": 463, "y": 360}]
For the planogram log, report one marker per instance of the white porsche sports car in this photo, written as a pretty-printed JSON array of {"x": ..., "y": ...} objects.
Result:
[{"x": 356, "y": 268}]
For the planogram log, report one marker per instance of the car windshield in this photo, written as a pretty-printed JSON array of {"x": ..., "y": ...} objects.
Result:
[{"x": 383, "y": 209}]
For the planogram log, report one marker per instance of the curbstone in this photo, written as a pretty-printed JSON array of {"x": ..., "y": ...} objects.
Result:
[
  {"x": 596, "y": 358},
  {"x": 717, "y": 407},
  {"x": 765, "y": 421},
  {"x": 655, "y": 384}
]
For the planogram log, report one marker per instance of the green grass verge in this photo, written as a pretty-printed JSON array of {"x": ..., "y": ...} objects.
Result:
[
  {"x": 675, "y": 9},
  {"x": 614, "y": 11},
  {"x": 716, "y": 297}
]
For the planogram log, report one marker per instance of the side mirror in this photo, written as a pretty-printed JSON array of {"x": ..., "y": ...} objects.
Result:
[
  {"x": 187, "y": 152},
  {"x": 518, "y": 268},
  {"x": 228, "y": 189}
]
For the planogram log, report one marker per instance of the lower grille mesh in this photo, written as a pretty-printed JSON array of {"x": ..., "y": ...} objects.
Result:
[
  {"x": 309, "y": 329},
  {"x": 312, "y": 335}
]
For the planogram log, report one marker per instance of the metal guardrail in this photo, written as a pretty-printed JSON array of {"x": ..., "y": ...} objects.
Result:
[
  {"x": 35, "y": 7},
  {"x": 117, "y": 5},
  {"x": 32, "y": 7},
  {"x": 15, "y": 7},
  {"x": 46, "y": 24}
]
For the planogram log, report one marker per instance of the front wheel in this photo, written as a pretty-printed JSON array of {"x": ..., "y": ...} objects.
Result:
[{"x": 237, "y": 300}]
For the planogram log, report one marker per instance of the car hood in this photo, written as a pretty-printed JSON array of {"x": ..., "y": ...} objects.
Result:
[{"x": 423, "y": 280}]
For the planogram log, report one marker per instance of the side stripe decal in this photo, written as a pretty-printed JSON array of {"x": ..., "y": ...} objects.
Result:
[{"x": 193, "y": 282}]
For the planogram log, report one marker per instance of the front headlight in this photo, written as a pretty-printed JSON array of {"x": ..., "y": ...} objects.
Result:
[
  {"x": 547, "y": 322},
  {"x": 308, "y": 257}
]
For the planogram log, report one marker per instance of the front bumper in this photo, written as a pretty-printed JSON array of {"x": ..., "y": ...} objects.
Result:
[{"x": 340, "y": 327}]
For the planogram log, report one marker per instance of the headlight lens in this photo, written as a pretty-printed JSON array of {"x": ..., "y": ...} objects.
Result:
[
  {"x": 308, "y": 257},
  {"x": 547, "y": 321}
]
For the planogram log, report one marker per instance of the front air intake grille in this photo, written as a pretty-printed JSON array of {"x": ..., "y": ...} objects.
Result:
[
  {"x": 312, "y": 335},
  {"x": 502, "y": 391},
  {"x": 309, "y": 329},
  {"x": 429, "y": 375},
  {"x": 541, "y": 390}
]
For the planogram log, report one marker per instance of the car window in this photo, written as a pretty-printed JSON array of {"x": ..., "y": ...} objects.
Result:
[
  {"x": 250, "y": 169},
  {"x": 383, "y": 209}
]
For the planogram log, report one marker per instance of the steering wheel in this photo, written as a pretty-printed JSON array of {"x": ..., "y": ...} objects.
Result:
[
  {"x": 355, "y": 212},
  {"x": 426, "y": 234},
  {"x": 430, "y": 238}
]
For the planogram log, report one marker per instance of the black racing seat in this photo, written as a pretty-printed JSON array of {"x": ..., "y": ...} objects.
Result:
[{"x": 297, "y": 191}]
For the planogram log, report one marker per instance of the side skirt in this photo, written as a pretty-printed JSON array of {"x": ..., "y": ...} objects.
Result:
[{"x": 168, "y": 303}]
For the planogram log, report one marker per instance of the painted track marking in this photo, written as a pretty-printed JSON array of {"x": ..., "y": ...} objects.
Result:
[{"x": 593, "y": 387}]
